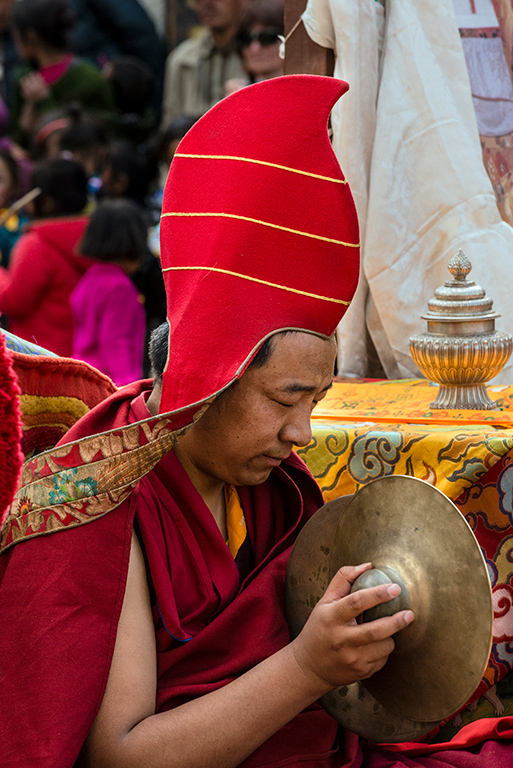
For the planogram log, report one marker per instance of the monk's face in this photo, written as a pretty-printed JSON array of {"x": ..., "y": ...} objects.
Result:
[{"x": 255, "y": 424}]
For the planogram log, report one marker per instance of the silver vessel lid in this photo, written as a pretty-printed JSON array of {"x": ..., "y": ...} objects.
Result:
[{"x": 460, "y": 299}]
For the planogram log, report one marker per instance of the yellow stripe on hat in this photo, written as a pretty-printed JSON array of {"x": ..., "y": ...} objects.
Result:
[
  {"x": 264, "y": 224},
  {"x": 260, "y": 162},
  {"x": 257, "y": 280}
]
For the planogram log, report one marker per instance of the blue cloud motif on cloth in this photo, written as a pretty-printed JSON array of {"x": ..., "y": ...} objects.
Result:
[
  {"x": 322, "y": 455},
  {"x": 492, "y": 569},
  {"x": 505, "y": 486},
  {"x": 374, "y": 455},
  {"x": 503, "y": 653}
]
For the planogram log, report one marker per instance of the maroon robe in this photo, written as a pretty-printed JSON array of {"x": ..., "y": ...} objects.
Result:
[{"x": 62, "y": 595}]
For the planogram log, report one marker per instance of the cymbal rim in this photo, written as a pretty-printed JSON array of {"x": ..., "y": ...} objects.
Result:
[{"x": 426, "y": 678}]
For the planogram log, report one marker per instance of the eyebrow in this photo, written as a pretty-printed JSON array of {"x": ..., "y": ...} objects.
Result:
[{"x": 296, "y": 387}]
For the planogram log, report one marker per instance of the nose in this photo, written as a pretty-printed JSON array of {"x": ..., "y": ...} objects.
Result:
[{"x": 297, "y": 430}]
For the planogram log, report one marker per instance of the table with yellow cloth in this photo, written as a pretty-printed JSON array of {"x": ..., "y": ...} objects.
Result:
[{"x": 363, "y": 430}]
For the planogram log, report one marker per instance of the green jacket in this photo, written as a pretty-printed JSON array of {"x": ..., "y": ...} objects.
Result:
[{"x": 80, "y": 83}]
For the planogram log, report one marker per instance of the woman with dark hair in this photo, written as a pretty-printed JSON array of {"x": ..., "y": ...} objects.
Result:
[
  {"x": 63, "y": 185},
  {"x": 71, "y": 134},
  {"x": 52, "y": 77},
  {"x": 128, "y": 171},
  {"x": 133, "y": 85},
  {"x": 85, "y": 140},
  {"x": 44, "y": 266},
  {"x": 258, "y": 42}
]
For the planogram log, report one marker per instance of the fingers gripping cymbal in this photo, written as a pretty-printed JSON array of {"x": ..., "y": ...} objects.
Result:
[{"x": 414, "y": 535}]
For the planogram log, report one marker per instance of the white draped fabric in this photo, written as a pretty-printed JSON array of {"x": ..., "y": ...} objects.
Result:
[{"x": 407, "y": 139}]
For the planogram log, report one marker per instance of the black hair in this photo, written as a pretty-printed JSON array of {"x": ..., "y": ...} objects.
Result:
[
  {"x": 264, "y": 353},
  {"x": 159, "y": 345},
  {"x": 51, "y": 20},
  {"x": 136, "y": 164},
  {"x": 133, "y": 83},
  {"x": 116, "y": 232},
  {"x": 267, "y": 348},
  {"x": 159, "y": 342},
  {"x": 83, "y": 132},
  {"x": 177, "y": 128},
  {"x": 14, "y": 172},
  {"x": 63, "y": 183},
  {"x": 268, "y": 13}
]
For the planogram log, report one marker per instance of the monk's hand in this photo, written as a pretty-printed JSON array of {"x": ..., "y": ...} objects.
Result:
[{"x": 333, "y": 649}]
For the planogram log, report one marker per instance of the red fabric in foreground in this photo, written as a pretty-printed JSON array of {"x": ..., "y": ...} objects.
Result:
[
  {"x": 11, "y": 457},
  {"x": 492, "y": 754},
  {"x": 61, "y": 596},
  {"x": 60, "y": 600}
]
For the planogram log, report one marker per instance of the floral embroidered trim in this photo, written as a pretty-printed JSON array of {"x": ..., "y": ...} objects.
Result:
[{"x": 79, "y": 482}]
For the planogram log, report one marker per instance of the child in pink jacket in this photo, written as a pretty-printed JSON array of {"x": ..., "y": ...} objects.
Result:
[{"x": 108, "y": 313}]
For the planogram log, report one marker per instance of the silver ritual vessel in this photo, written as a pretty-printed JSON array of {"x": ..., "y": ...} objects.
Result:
[{"x": 461, "y": 350}]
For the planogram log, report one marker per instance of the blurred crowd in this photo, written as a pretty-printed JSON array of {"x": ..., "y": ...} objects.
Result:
[{"x": 92, "y": 108}]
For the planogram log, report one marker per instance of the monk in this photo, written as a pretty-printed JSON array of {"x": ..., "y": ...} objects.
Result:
[
  {"x": 248, "y": 432},
  {"x": 149, "y": 548}
]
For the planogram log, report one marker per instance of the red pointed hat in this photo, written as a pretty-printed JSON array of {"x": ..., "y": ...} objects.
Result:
[{"x": 259, "y": 234}]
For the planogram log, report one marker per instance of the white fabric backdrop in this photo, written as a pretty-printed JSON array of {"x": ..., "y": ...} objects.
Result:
[{"x": 407, "y": 139}]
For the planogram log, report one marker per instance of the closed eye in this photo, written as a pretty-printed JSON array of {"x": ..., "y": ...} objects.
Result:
[{"x": 319, "y": 399}]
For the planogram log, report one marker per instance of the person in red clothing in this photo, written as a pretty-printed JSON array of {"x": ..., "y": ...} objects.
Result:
[{"x": 45, "y": 267}]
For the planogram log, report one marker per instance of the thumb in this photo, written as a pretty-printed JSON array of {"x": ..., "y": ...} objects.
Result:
[{"x": 340, "y": 585}]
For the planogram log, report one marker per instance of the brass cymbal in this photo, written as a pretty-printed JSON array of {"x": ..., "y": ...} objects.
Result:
[{"x": 420, "y": 539}]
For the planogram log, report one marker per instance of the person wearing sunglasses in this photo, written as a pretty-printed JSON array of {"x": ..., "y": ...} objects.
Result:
[{"x": 258, "y": 42}]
